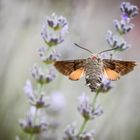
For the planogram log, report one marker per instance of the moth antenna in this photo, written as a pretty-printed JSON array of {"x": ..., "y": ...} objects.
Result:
[
  {"x": 108, "y": 50},
  {"x": 83, "y": 48}
]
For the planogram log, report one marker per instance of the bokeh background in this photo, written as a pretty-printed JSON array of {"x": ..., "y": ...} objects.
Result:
[{"x": 20, "y": 26}]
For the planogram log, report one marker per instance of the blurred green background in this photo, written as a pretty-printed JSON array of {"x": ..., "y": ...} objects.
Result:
[{"x": 20, "y": 26}]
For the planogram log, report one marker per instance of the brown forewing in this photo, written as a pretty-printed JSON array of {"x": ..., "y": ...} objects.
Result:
[
  {"x": 116, "y": 68},
  {"x": 112, "y": 69},
  {"x": 68, "y": 67}
]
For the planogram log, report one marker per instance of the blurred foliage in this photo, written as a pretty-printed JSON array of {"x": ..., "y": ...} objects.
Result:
[{"x": 20, "y": 26}]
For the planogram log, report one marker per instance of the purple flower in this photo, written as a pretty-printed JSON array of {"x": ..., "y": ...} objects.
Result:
[
  {"x": 86, "y": 109},
  {"x": 28, "y": 90},
  {"x": 70, "y": 133},
  {"x": 123, "y": 27},
  {"x": 48, "y": 57},
  {"x": 50, "y": 40},
  {"x": 37, "y": 100},
  {"x": 128, "y": 10},
  {"x": 105, "y": 86},
  {"x": 116, "y": 42},
  {"x": 30, "y": 126},
  {"x": 57, "y": 103},
  {"x": 41, "y": 77},
  {"x": 54, "y": 30},
  {"x": 57, "y": 22},
  {"x": 87, "y": 135}
]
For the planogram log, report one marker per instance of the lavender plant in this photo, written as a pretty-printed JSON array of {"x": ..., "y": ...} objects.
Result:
[
  {"x": 88, "y": 109},
  {"x": 36, "y": 120},
  {"x": 122, "y": 26}
]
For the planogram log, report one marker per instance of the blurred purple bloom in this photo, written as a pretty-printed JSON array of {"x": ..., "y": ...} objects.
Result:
[
  {"x": 59, "y": 27},
  {"x": 87, "y": 135},
  {"x": 83, "y": 98},
  {"x": 37, "y": 100},
  {"x": 57, "y": 103},
  {"x": 116, "y": 42},
  {"x": 128, "y": 10},
  {"x": 86, "y": 109},
  {"x": 28, "y": 90},
  {"x": 48, "y": 58},
  {"x": 123, "y": 27},
  {"x": 51, "y": 40},
  {"x": 41, "y": 77},
  {"x": 105, "y": 86},
  {"x": 57, "y": 22},
  {"x": 53, "y": 33},
  {"x": 30, "y": 126},
  {"x": 54, "y": 124},
  {"x": 70, "y": 133}
]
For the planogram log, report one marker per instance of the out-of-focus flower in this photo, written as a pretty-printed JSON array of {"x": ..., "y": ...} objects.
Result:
[
  {"x": 48, "y": 58},
  {"x": 28, "y": 90},
  {"x": 54, "y": 124},
  {"x": 37, "y": 100},
  {"x": 57, "y": 103},
  {"x": 128, "y": 10},
  {"x": 70, "y": 133},
  {"x": 123, "y": 27},
  {"x": 59, "y": 27},
  {"x": 41, "y": 77},
  {"x": 87, "y": 135},
  {"x": 52, "y": 41},
  {"x": 105, "y": 86},
  {"x": 53, "y": 32},
  {"x": 86, "y": 109},
  {"x": 116, "y": 42},
  {"x": 29, "y": 125},
  {"x": 57, "y": 22}
]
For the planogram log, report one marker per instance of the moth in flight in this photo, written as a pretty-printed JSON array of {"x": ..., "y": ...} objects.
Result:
[{"x": 94, "y": 69}]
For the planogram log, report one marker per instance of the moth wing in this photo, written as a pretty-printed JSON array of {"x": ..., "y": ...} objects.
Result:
[
  {"x": 113, "y": 69},
  {"x": 110, "y": 74},
  {"x": 77, "y": 74},
  {"x": 75, "y": 69}
]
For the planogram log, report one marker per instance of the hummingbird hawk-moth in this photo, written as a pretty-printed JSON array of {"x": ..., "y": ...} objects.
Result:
[{"x": 94, "y": 68}]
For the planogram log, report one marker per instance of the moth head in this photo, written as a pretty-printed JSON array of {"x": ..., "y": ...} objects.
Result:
[{"x": 94, "y": 57}]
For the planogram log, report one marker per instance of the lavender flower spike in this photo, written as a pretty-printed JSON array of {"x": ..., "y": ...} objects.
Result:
[
  {"x": 37, "y": 100},
  {"x": 54, "y": 30},
  {"x": 116, "y": 42},
  {"x": 30, "y": 126},
  {"x": 57, "y": 23},
  {"x": 41, "y": 77},
  {"x": 123, "y": 27},
  {"x": 87, "y": 135},
  {"x": 70, "y": 133},
  {"x": 86, "y": 109},
  {"x": 57, "y": 103},
  {"x": 128, "y": 10},
  {"x": 105, "y": 86},
  {"x": 48, "y": 58}
]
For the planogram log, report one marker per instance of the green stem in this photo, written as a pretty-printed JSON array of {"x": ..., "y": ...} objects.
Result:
[
  {"x": 95, "y": 98},
  {"x": 86, "y": 119},
  {"x": 83, "y": 126},
  {"x": 39, "y": 87}
]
